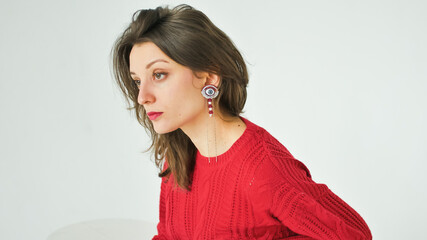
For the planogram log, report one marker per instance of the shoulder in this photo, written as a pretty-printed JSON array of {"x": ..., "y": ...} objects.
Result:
[
  {"x": 262, "y": 138},
  {"x": 280, "y": 163},
  {"x": 280, "y": 172},
  {"x": 277, "y": 161},
  {"x": 277, "y": 156}
]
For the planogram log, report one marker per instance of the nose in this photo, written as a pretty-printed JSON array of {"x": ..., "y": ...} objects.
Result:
[{"x": 145, "y": 94}]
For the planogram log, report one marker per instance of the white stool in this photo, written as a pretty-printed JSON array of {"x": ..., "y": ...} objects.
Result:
[{"x": 106, "y": 229}]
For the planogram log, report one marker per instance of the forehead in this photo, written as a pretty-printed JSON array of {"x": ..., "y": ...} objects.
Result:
[{"x": 144, "y": 53}]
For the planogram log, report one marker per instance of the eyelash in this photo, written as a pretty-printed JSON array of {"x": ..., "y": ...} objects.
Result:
[
  {"x": 159, "y": 73},
  {"x": 137, "y": 82}
]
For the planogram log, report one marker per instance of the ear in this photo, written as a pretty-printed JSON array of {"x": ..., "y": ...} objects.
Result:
[{"x": 212, "y": 79}]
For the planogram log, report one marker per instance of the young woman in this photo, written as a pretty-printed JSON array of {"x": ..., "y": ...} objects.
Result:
[{"x": 223, "y": 176}]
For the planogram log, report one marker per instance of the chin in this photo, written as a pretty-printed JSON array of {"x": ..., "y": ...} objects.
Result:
[{"x": 160, "y": 130}]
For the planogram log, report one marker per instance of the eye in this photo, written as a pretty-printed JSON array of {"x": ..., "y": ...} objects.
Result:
[
  {"x": 137, "y": 82},
  {"x": 159, "y": 75}
]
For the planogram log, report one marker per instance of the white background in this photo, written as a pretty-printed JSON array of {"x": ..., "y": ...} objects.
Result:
[{"x": 342, "y": 84}]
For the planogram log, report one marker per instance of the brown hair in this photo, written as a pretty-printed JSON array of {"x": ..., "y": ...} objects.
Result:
[{"x": 188, "y": 37}]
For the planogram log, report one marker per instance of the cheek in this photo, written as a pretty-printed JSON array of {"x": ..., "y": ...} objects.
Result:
[{"x": 183, "y": 96}]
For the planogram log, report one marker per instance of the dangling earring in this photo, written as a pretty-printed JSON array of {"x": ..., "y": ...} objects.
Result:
[{"x": 210, "y": 92}]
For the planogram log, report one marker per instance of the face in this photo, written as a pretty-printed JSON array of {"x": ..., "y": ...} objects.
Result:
[{"x": 168, "y": 87}]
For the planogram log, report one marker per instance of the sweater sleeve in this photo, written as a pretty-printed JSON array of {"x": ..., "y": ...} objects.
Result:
[
  {"x": 161, "y": 231},
  {"x": 309, "y": 208}
]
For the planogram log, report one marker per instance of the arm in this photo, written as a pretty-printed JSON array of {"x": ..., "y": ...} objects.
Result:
[{"x": 308, "y": 208}]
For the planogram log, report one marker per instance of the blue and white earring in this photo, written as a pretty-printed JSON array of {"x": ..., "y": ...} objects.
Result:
[{"x": 209, "y": 92}]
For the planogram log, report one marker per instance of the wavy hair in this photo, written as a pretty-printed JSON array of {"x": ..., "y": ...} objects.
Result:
[{"x": 188, "y": 37}]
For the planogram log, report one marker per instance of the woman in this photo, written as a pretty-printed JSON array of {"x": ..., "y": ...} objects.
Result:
[{"x": 223, "y": 177}]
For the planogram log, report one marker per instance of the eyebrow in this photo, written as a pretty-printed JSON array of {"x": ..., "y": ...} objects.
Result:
[{"x": 150, "y": 64}]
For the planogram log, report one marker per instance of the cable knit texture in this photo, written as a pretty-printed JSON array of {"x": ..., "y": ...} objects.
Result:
[{"x": 256, "y": 190}]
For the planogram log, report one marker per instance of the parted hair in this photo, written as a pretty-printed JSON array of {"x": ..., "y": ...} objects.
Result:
[{"x": 188, "y": 37}]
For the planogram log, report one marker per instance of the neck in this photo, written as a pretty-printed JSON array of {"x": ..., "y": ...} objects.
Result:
[{"x": 214, "y": 135}]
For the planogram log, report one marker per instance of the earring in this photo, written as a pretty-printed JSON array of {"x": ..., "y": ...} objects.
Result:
[{"x": 209, "y": 92}]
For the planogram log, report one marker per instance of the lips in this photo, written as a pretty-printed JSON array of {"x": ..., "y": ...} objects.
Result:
[{"x": 154, "y": 115}]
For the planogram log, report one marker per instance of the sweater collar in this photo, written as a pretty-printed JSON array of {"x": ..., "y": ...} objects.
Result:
[{"x": 237, "y": 145}]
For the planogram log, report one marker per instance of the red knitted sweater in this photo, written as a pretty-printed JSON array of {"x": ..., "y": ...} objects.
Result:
[{"x": 256, "y": 190}]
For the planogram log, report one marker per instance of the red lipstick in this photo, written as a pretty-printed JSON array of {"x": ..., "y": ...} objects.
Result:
[{"x": 154, "y": 115}]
